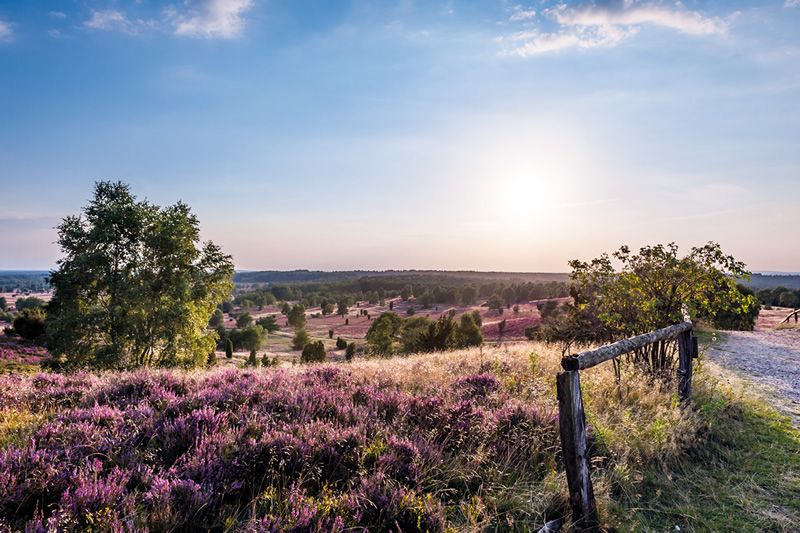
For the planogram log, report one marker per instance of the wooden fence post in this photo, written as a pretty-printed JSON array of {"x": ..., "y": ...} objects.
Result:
[
  {"x": 572, "y": 425},
  {"x": 685, "y": 354}
]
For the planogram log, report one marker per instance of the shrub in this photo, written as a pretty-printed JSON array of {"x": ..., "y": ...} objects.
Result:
[
  {"x": 350, "y": 352},
  {"x": 252, "y": 361},
  {"x": 330, "y": 333},
  {"x": 313, "y": 352},
  {"x": 269, "y": 323},
  {"x": 341, "y": 344},
  {"x": 228, "y": 348},
  {"x": 410, "y": 311},
  {"x": 29, "y": 324},
  {"x": 244, "y": 320},
  {"x": 300, "y": 339}
]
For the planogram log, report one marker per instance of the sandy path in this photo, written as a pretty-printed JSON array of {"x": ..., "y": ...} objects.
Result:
[{"x": 768, "y": 358}]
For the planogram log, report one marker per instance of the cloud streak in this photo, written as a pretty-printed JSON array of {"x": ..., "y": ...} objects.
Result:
[
  {"x": 592, "y": 25},
  {"x": 212, "y": 19},
  {"x": 5, "y": 31},
  {"x": 206, "y": 19}
]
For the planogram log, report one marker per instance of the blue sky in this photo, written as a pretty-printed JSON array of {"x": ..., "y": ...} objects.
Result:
[{"x": 438, "y": 134}]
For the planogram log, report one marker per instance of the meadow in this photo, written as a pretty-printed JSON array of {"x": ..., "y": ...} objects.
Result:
[{"x": 460, "y": 441}]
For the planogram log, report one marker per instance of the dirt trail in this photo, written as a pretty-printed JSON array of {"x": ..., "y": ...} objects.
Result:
[{"x": 769, "y": 357}]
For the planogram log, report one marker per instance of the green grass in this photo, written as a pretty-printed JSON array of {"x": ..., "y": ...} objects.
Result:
[{"x": 743, "y": 476}]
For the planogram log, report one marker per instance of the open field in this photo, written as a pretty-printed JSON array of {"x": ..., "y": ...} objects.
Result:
[{"x": 466, "y": 440}]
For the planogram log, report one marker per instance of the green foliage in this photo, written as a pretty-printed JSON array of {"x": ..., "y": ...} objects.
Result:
[
  {"x": 251, "y": 338},
  {"x": 269, "y": 323},
  {"x": 297, "y": 316},
  {"x": 495, "y": 303},
  {"x": 469, "y": 294},
  {"x": 211, "y": 359},
  {"x": 410, "y": 311},
  {"x": 3, "y": 303},
  {"x": 327, "y": 308},
  {"x": 383, "y": 332},
  {"x": 412, "y": 333},
  {"x": 501, "y": 328},
  {"x": 134, "y": 286},
  {"x": 286, "y": 308},
  {"x": 341, "y": 344},
  {"x": 300, "y": 339},
  {"x": 217, "y": 319},
  {"x": 350, "y": 352},
  {"x": 469, "y": 331},
  {"x": 341, "y": 308},
  {"x": 405, "y": 293},
  {"x": 252, "y": 361},
  {"x": 228, "y": 348},
  {"x": 739, "y": 319},
  {"x": 31, "y": 302},
  {"x": 244, "y": 320},
  {"x": 30, "y": 323},
  {"x": 313, "y": 352}
]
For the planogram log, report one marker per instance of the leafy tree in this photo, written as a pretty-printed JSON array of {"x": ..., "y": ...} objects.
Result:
[
  {"x": 227, "y": 306},
  {"x": 383, "y": 332},
  {"x": 495, "y": 302},
  {"x": 441, "y": 335},
  {"x": 217, "y": 319},
  {"x": 269, "y": 323},
  {"x": 341, "y": 308},
  {"x": 412, "y": 333},
  {"x": 252, "y": 337},
  {"x": 476, "y": 317},
  {"x": 509, "y": 296},
  {"x": 211, "y": 360},
  {"x": 468, "y": 295},
  {"x": 297, "y": 316},
  {"x": 300, "y": 339},
  {"x": 244, "y": 320},
  {"x": 327, "y": 308},
  {"x": 469, "y": 332},
  {"x": 313, "y": 352},
  {"x": 651, "y": 289},
  {"x": 31, "y": 302},
  {"x": 29, "y": 324},
  {"x": 405, "y": 293},
  {"x": 134, "y": 286},
  {"x": 286, "y": 308}
]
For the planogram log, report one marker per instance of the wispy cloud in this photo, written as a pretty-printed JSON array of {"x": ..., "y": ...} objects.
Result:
[
  {"x": 593, "y": 25},
  {"x": 521, "y": 13},
  {"x": 211, "y": 19},
  {"x": 57, "y": 15},
  {"x": 791, "y": 3},
  {"x": 207, "y": 19},
  {"x": 113, "y": 20},
  {"x": 5, "y": 31}
]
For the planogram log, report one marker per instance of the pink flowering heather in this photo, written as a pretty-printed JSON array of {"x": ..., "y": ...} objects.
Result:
[{"x": 319, "y": 450}]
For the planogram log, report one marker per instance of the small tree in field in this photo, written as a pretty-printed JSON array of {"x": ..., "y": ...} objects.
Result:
[
  {"x": 495, "y": 303},
  {"x": 350, "y": 352},
  {"x": 228, "y": 348},
  {"x": 252, "y": 361},
  {"x": 135, "y": 286},
  {"x": 300, "y": 339},
  {"x": 244, "y": 320},
  {"x": 313, "y": 352},
  {"x": 341, "y": 308},
  {"x": 297, "y": 316},
  {"x": 501, "y": 329},
  {"x": 341, "y": 344}
]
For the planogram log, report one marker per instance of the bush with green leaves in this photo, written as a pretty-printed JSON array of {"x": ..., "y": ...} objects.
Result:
[
  {"x": 228, "y": 348},
  {"x": 269, "y": 323},
  {"x": 341, "y": 344},
  {"x": 30, "y": 323},
  {"x": 313, "y": 352},
  {"x": 350, "y": 352},
  {"x": 297, "y": 316}
]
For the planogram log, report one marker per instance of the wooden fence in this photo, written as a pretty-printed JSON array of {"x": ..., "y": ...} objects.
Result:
[
  {"x": 572, "y": 422},
  {"x": 790, "y": 315}
]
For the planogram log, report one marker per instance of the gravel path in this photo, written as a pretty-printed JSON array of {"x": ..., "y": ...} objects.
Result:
[{"x": 769, "y": 358}]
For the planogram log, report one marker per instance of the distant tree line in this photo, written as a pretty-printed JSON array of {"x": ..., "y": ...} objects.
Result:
[
  {"x": 779, "y": 296},
  {"x": 390, "y": 333}
]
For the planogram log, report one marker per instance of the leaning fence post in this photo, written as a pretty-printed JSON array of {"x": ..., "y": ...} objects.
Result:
[
  {"x": 685, "y": 355},
  {"x": 572, "y": 425}
]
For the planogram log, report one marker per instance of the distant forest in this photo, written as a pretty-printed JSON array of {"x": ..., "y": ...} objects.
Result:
[
  {"x": 400, "y": 277},
  {"x": 772, "y": 281},
  {"x": 24, "y": 280}
]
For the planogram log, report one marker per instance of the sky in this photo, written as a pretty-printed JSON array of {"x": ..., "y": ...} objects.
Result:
[{"x": 491, "y": 135}]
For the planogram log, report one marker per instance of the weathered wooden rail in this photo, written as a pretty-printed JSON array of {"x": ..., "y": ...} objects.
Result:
[
  {"x": 790, "y": 315},
  {"x": 572, "y": 420}
]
